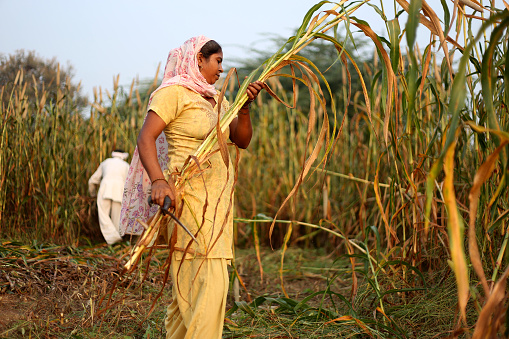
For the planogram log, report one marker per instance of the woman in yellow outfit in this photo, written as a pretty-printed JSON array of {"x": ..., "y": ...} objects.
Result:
[{"x": 185, "y": 108}]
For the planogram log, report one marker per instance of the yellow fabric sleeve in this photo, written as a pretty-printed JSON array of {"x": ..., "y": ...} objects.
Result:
[{"x": 166, "y": 104}]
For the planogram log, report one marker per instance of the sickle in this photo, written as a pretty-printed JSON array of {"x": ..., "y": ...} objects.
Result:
[{"x": 165, "y": 211}]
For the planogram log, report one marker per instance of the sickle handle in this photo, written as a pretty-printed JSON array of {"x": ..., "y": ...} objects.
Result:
[{"x": 166, "y": 205}]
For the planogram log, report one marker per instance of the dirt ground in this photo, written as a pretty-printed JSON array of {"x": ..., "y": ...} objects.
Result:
[
  {"x": 11, "y": 310},
  {"x": 50, "y": 292}
]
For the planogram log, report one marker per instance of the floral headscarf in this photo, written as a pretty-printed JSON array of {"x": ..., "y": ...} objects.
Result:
[{"x": 181, "y": 69}]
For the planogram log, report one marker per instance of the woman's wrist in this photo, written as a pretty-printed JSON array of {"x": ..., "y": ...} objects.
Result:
[
  {"x": 247, "y": 103},
  {"x": 157, "y": 179},
  {"x": 244, "y": 110}
]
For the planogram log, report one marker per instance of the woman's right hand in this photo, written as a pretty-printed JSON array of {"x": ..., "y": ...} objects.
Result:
[{"x": 161, "y": 189}]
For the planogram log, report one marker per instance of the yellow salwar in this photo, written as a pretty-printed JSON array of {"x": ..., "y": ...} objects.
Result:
[
  {"x": 201, "y": 286},
  {"x": 199, "y": 299}
]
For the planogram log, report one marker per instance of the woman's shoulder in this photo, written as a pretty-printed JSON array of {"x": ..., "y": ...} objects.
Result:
[
  {"x": 171, "y": 89},
  {"x": 177, "y": 90}
]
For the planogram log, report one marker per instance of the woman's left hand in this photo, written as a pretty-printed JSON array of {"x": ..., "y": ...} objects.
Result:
[{"x": 252, "y": 91}]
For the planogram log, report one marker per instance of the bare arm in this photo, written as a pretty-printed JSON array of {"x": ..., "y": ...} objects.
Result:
[
  {"x": 241, "y": 129},
  {"x": 152, "y": 128}
]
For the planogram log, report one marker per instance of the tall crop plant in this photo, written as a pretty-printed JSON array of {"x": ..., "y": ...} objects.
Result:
[
  {"x": 422, "y": 155},
  {"x": 48, "y": 150}
]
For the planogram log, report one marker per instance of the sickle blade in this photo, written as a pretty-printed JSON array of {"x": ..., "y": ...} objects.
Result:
[{"x": 181, "y": 225}]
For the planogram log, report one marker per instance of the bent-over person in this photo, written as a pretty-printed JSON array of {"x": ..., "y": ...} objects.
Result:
[{"x": 110, "y": 178}]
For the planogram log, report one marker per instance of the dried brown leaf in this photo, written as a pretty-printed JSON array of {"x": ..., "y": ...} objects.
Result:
[{"x": 483, "y": 174}]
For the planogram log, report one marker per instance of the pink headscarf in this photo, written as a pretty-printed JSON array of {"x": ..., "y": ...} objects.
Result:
[{"x": 181, "y": 69}]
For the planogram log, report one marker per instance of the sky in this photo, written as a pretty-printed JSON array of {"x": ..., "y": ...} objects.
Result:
[{"x": 103, "y": 39}]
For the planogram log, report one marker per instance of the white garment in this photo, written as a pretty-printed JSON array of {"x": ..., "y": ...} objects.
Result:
[{"x": 110, "y": 176}]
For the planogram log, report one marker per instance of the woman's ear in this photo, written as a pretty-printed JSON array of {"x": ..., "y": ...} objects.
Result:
[{"x": 199, "y": 58}]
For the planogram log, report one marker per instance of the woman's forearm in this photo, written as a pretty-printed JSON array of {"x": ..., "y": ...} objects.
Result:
[
  {"x": 148, "y": 155},
  {"x": 243, "y": 130},
  {"x": 152, "y": 128}
]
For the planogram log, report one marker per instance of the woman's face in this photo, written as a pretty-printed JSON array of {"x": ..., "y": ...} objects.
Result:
[{"x": 212, "y": 67}]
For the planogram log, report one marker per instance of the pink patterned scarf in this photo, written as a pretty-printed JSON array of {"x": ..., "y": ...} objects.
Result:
[{"x": 181, "y": 69}]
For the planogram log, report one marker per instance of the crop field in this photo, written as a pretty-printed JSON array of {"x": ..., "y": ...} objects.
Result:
[
  {"x": 55, "y": 291},
  {"x": 373, "y": 204}
]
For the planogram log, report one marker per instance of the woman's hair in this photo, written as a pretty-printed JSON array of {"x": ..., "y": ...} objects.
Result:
[{"x": 211, "y": 47}]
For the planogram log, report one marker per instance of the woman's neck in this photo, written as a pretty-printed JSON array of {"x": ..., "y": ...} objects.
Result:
[{"x": 211, "y": 100}]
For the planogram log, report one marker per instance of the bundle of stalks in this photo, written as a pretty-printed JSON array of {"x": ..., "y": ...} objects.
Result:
[
  {"x": 147, "y": 239},
  {"x": 315, "y": 26}
]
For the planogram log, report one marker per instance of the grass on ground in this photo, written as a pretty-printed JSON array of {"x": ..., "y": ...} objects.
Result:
[{"x": 51, "y": 291}]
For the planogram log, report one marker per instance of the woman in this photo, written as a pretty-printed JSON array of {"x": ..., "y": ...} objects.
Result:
[{"x": 184, "y": 107}]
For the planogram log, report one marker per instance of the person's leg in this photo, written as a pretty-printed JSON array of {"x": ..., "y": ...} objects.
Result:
[
  {"x": 110, "y": 233},
  {"x": 199, "y": 299},
  {"x": 173, "y": 323},
  {"x": 115, "y": 214}
]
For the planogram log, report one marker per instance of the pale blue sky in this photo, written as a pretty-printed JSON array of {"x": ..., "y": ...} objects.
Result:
[{"x": 104, "y": 38}]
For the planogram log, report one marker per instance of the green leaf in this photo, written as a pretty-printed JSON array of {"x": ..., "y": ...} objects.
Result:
[
  {"x": 489, "y": 75},
  {"x": 242, "y": 305},
  {"x": 447, "y": 15},
  {"x": 394, "y": 31},
  {"x": 412, "y": 23}
]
